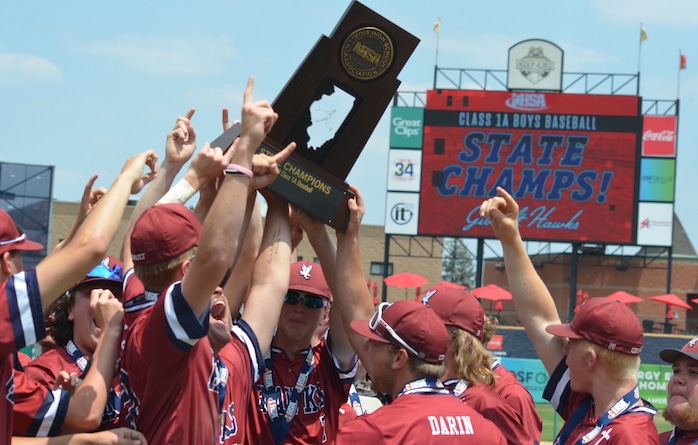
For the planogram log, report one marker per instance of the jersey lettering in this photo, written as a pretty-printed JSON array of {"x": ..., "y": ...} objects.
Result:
[
  {"x": 10, "y": 389},
  {"x": 230, "y": 428},
  {"x": 324, "y": 430},
  {"x": 129, "y": 402},
  {"x": 450, "y": 425},
  {"x": 313, "y": 398}
]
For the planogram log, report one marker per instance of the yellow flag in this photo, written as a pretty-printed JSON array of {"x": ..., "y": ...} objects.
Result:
[
  {"x": 643, "y": 34},
  {"x": 437, "y": 27}
]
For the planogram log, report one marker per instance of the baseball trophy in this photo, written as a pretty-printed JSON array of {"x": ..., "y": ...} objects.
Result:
[{"x": 359, "y": 62}]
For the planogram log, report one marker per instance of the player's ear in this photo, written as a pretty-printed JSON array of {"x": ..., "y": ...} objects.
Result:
[{"x": 400, "y": 358}]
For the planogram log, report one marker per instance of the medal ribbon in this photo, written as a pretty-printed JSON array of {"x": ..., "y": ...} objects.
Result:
[
  {"x": 618, "y": 409},
  {"x": 280, "y": 424}
]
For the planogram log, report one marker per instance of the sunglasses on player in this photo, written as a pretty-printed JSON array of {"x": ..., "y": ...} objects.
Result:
[
  {"x": 311, "y": 301},
  {"x": 377, "y": 320}
]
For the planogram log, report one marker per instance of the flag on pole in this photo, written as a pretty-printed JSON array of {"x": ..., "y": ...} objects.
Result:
[
  {"x": 643, "y": 34},
  {"x": 437, "y": 27},
  {"x": 682, "y": 61}
]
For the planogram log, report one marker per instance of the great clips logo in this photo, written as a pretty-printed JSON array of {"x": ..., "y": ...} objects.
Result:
[{"x": 527, "y": 102}]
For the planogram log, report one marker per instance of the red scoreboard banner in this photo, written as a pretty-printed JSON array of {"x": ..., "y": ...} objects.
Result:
[{"x": 570, "y": 160}]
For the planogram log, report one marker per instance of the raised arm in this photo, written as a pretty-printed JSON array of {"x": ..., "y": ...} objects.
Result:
[
  {"x": 326, "y": 251},
  {"x": 237, "y": 287},
  {"x": 353, "y": 299},
  {"x": 270, "y": 274},
  {"x": 179, "y": 147},
  {"x": 60, "y": 271},
  {"x": 533, "y": 303},
  {"x": 222, "y": 232},
  {"x": 87, "y": 403}
]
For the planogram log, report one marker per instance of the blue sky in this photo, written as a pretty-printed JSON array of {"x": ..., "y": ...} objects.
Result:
[{"x": 83, "y": 85}]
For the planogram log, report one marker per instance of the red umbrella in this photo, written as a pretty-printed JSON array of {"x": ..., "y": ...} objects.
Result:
[
  {"x": 492, "y": 292},
  {"x": 452, "y": 285},
  {"x": 498, "y": 306},
  {"x": 405, "y": 280},
  {"x": 624, "y": 297},
  {"x": 671, "y": 300}
]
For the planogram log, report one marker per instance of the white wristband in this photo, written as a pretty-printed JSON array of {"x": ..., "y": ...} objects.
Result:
[{"x": 180, "y": 193}]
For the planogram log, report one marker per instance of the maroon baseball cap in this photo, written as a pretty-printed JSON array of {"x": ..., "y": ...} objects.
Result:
[
  {"x": 689, "y": 350},
  {"x": 163, "y": 232},
  {"x": 457, "y": 307},
  {"x": 410, "y": 325},
  {"x": 12, "y": 238},
  {"x": 605, "y": 322},
  {"x": 307, "y": 276}
]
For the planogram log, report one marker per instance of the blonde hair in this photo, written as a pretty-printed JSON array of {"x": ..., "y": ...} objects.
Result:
[
  {"x": 489, "y": 328},
  {"x": 618, "y": 366},
  {"x": 158, "y": 276},
  {"x": 419, "y": 367},
  {"x": 471, "y": 357}
]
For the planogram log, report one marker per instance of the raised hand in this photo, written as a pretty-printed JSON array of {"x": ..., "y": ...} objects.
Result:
[
  {"x": 503, "y": 213},
  {"x": 356, "y": 213},
  {"x": 181, "y": 140},
  {"x": 133, "y": 168},
  {"x": 106, "y": 308},
  {"x": 266, "y": 168}
]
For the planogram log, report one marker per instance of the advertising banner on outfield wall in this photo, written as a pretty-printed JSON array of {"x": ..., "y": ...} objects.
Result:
[
  {"x": 652, "y": 379},
  {"x": 570, "y": 160}
]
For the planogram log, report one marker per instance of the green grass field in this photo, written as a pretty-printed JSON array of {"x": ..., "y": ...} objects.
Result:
[{"x": 552, "y": 423}]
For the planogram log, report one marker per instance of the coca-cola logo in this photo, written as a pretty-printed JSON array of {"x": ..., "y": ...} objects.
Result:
[{"x": 665, "y": 135}]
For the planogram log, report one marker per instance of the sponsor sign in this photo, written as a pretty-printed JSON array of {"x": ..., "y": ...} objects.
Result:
[
  {"x": 570, "y": 160},
  {"x": 406, "y": 127},
  {"x": 655, "y": 224},
  {"x": 657, "y": 179},
  {"x": 659, "y": 136},
  {"x": 404, "y": 170},
  {"x": 652, "y": 379},
  {"x": 402, "y": 213}
]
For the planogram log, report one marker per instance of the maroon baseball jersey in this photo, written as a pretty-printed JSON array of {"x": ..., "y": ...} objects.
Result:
[
  {"x": 679, "y": 437},
  {"x": 166, "y": 365},
  {"x": 21, "y": 324},
  {"x": 518, "y": 396},
  {"x": 492, "y": 407},
  {"x": 38, "y": 411},
  {"x": 326, "y": 391},
  {"x": 242, "y": 358},
  {"x": 44, "y": 369},
  {"x": 421, "y": 419},
  {"x": 635, "y": 426},
  {"x": 135, "y": 297}
]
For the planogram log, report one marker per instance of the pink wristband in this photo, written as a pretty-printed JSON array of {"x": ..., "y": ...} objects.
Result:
[{"x": 235, "y": 169}]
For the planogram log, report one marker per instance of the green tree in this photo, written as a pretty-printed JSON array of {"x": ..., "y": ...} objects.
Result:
[{"x": 458, "y": 263}]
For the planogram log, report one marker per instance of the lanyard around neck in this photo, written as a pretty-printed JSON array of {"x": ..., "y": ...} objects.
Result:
[
  {"x": 618, "y": 409},
  {"x": 427, "y": 385},
  {"x": 280, "y": 424}
]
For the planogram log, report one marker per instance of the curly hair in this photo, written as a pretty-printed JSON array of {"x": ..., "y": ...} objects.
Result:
[
  {"x": 489, "y": 329},
  {"x": 471, "y": 357},
  {"x": 60, "y": 327}
]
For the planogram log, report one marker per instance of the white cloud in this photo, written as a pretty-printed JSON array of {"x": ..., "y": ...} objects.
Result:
[
  {"x": 666, "y": 12},
  {"x": 18, "y": 68},
  {"x": 195, "y": 55}
]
